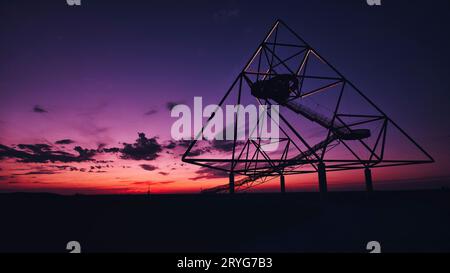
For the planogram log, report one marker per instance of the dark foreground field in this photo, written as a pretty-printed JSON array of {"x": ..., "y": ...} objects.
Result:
[{"x": 298, "y": 222}]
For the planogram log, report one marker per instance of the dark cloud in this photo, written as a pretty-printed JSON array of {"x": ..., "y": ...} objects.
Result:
[
  {"x": 172, "y": 104},
  {"x": 217, "y": 145},
  {"x": 64, "y": 141},
  {"x": 225, "y": 145},
  {"x": 166, "y": 182},
  {"x": 198, "y": 152},
  {"x": 85, "y": 154},
  {"x": 101, "y": 146},
  {"x": 104, "y": 161},
  {"x": 110, "y": 150},
  {"x": 61, "y": 167},
  {"x": 179, "y": 143},
  {"x": 151, "y": 112},
  {"x": 143, "y": 149},
  {"x": 65, "y": 168},
  {"x": 39, "y": 109},
  {"x": 35, "y": 148},
  {"x": 184, "y": 143},
  {"x": 171, "y": 145},
  {"x": 163, "y": 173},
  {"x": 148, "y": 167},
  {"x": 44, "y": 153},
  {"x": 208, "y": 173}
]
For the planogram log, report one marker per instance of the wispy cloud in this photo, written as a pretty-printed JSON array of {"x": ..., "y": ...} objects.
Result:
[
  {"x": 207, "y": 173},
  {"x": 39, "y": 109},
  {"x": 148, "y": 167},
  {"x": 226, "y": 14},
  {"x": 151, "y": 112},
  {"x": 64, "y": 141}
]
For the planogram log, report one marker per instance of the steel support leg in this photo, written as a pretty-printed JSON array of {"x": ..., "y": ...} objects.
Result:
[
  {"x": 322, "y": 178},
  {"x": 368, "y": 175},
  {"x": 231, "y": 183}
]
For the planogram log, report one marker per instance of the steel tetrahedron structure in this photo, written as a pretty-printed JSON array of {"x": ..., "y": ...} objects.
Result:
[{"x": 326, "y": 123}]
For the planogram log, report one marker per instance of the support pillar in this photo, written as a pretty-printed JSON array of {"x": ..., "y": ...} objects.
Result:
[
  {"x": 368, "y": 175},
  {"x": 322, "y": 178},
  {"x": 231, "y": 183},
  {"x": 282, "y": 184}
]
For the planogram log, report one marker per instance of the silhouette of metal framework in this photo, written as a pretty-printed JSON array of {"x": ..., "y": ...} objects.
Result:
[{"x": 285, "y": 70}]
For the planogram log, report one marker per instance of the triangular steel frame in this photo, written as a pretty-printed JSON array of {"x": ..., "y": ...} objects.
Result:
[{"x": 258, "y": 167}]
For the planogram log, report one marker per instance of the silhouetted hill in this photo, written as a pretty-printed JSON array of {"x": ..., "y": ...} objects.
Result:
[{"x": 415, "y": 221}]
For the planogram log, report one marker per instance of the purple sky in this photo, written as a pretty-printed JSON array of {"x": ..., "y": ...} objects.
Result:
[{"x": 100, "y": 73}]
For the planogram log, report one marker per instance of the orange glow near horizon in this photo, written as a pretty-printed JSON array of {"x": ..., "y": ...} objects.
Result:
[{"x": 132, "y": 179}]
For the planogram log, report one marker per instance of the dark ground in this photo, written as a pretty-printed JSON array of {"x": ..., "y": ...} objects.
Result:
[{"x": 417, "y": 221}]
